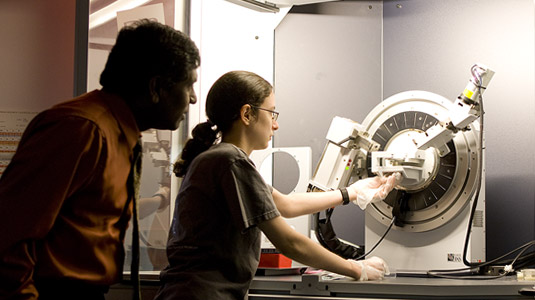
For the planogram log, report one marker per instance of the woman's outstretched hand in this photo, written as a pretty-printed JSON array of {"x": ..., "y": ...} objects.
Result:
[{"x": 373, "y": 189}]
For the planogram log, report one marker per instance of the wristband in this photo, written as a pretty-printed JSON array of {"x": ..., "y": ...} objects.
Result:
[{"x": 345, "y": 196}]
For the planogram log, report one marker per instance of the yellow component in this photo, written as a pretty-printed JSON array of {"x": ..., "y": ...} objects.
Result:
[{"x": 468, "y": 93}]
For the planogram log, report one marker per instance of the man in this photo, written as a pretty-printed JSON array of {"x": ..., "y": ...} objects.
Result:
[{"x": 65, "y": 198}]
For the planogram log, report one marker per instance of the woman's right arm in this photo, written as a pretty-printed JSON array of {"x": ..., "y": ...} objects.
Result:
[{"x": 302, "y": 249}]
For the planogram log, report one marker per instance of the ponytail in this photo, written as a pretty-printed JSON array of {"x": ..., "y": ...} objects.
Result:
[
  {"x": 226, "y": 97},
  {"x": 203, "y": 137}
]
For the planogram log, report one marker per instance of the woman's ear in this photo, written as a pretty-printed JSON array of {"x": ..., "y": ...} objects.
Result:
[{"x": 246, "y": 114}]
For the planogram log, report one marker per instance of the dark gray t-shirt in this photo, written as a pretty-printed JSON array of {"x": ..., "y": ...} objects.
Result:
[{"x": 214, "y": 244}]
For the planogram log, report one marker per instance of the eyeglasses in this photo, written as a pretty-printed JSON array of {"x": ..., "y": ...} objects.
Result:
[{"x": 274, "y": 114}]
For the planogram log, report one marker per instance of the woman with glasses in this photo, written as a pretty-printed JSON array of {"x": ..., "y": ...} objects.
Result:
[{"x": 223, "y": 202}]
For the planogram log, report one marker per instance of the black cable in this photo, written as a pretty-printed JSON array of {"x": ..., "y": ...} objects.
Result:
[
  {"x": 479, "y": 86},
  {"x": 461, "y": 276},
  {"x": 497, "y": 260},
  {"x": 520, "y": 260},
  {"x": 379, "y": 241},
  {"x": 440, "y": 273},
  {"x": 478, "y": 189},
  {"x": 456, "y": 273},
  {"x": 523, "y": 248},
  {"x": 523, "y": 261},
  {"x": 519, "y": 254}
]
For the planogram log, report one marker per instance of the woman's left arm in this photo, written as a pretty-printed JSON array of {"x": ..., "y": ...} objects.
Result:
[
  {"x": 298, "y": 204},
  {"x": 367, "y": 190}
]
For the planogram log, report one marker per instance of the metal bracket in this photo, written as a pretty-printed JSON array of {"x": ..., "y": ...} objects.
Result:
[{"x": 311, "y": 286}]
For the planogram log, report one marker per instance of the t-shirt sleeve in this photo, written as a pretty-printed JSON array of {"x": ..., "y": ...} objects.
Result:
[{"x": 248, "y": 196}]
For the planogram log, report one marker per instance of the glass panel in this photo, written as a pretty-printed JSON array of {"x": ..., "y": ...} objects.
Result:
[{"x": 155, "y": 212}]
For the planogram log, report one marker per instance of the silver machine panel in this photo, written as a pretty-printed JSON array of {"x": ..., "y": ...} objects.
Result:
[
  {"x": 433, "y": 235},
  {"x": 434, "y": 217}
]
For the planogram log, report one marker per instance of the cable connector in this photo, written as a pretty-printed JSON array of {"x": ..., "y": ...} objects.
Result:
[{"x": 508, "y": 268}]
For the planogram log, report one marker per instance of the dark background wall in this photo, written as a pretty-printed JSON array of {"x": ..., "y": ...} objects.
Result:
[
  {"x": 431, "y": 45},
  {"x": 343, "y": 58}
]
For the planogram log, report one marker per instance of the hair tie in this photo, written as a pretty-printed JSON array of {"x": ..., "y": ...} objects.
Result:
[{"x": 212, "y": 125}]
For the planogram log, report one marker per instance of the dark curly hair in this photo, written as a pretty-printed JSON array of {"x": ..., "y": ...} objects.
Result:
[
  {"x": 223, "y": 103},
  {"x": 145, "y": 50}
]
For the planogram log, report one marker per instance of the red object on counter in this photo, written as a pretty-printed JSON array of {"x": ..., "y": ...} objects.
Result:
[{"x": 274, "y": 260}]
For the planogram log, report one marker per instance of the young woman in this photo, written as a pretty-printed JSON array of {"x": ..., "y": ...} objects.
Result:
[{"x": 223, "y": 202}]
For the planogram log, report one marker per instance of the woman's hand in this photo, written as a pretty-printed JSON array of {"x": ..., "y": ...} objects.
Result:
[
  {"x": 373, "y": 268},
  {"x": 373, "y": 189}
]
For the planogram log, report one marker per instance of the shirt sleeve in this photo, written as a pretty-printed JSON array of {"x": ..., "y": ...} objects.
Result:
[
  {"x": 248, "y": 196},
  {"x": 54, "y": 157}
]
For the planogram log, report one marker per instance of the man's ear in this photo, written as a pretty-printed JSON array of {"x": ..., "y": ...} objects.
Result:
[
  {"x": 246, "y": 114},
  {"x": 155, "y": 89}
]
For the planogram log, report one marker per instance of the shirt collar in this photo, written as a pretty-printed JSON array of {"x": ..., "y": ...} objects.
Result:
[{"x": 124, "y": 116}]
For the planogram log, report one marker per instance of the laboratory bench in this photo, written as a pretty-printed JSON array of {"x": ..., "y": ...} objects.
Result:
[
  {"x": 286, "y": 287},
  {"x": 314, "y": 287}
]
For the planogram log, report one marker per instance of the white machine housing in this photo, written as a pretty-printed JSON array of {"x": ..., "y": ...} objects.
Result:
[
  {"x": 437, "y": 146},
  {"x": 435, "y": 228}
]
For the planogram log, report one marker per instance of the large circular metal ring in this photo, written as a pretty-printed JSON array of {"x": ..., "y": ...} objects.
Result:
[{"x": 452, "y": 178}]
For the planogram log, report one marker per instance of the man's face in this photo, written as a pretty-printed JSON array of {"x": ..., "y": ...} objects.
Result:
[{"x": 174, "y": 102}]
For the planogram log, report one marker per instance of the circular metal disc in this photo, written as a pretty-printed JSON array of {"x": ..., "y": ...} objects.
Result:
[{"x": 452, "y": 178}]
